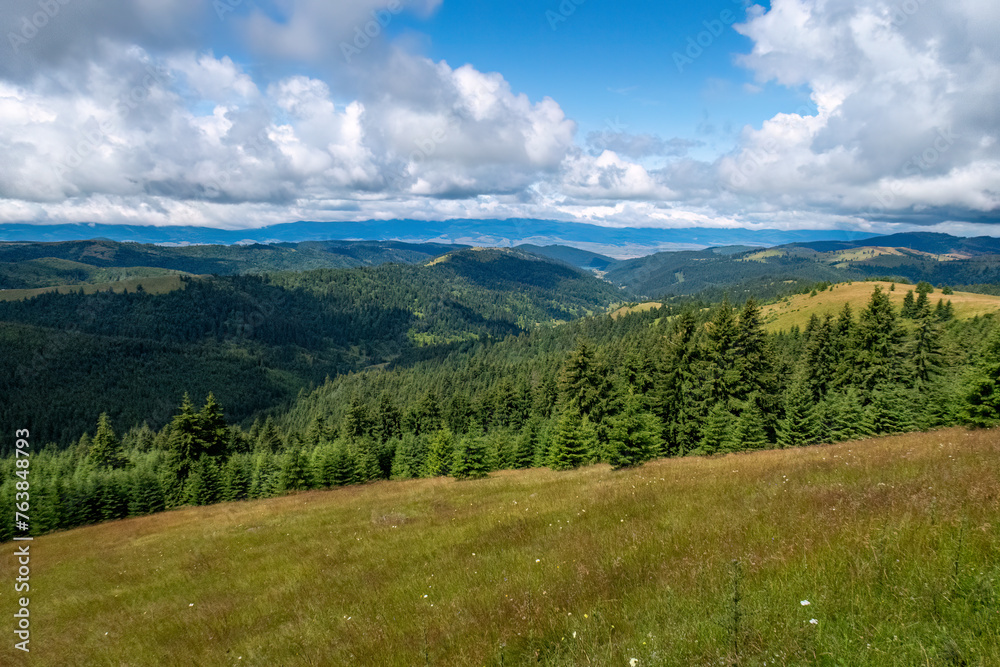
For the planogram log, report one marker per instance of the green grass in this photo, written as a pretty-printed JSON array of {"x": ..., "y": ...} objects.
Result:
[{"x": 894, "y": 542}]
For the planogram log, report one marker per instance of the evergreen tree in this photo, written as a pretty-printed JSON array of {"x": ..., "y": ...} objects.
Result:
[
  {"x": 106, "y": 449},
  {"x": 909, "y": 306},
  {"x": 527, "y": 444},
  {"x": 367, "y": 467},
  {"x": 269, "y": 439},
  {"x": 799, "y": 426},
  {"x": 213, "y": 430},
  {"x": 236, "y": 478},
  {"x": 470, "y": 458},
  {"x": 879, "y": 338},
  {"x": 982, "y": 396},
  {"x": 388, "y": 420},
  {"x": 295, "y": 473},
  {"x": 821, "y": 358},
  {"x": 579, "y": 382},
  {"x": 344, "y": 464},
  {"x": 723, "y": 355},
  {"x": 569, "y": 447},
  {"x": 748, "y": 432},
  {"x": 440, "y": 454},
  {"x": 717, "y": 436},
  {"x": 634, "y": 435},
  {"x": 925, "y": 350}
]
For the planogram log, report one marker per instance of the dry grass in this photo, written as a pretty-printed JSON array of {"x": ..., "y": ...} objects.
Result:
[
  {"x": 894, "y": 542},
  {"x": 796, "y": 310},
  {"x": 151, "y": 284},
  {"x": 638, "y": 308}
]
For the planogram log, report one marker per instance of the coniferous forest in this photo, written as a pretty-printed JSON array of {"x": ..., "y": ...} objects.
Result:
[{"x": 252, "y": 386}]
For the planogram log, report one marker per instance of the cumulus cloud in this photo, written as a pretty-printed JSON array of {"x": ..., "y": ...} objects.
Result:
[
  {"x": 116, "y": 112},
  {"x": 908, "y": 98}
]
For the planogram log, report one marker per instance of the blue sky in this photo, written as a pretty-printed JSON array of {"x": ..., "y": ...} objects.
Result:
[{"x": 872, "y": 115}]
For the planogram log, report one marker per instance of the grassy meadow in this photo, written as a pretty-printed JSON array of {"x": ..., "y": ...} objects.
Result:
[
  {"x": 893, "y": 542},
  {"x": 796, "y": 310},
  {"x": 151, "y": 284}
]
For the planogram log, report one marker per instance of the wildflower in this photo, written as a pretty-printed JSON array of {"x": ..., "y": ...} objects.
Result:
[
  {"x": 633, "y": 662},
  {"x": 805, "y": 603},
  {"x": 814, "y": 621},
  {"x": 538, "y": 560}
]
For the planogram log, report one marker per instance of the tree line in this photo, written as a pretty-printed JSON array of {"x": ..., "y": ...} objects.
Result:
[{"x": 667, "y": 382}]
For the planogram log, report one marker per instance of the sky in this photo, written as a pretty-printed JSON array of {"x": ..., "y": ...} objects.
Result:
[{"x": 868, "y": 115}]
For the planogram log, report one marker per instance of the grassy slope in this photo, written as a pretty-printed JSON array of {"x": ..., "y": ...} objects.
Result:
[
  {"x": 152, "y": 285},
  {"x": 894, "y": 542},
  {"x": 797, "y": 309}
]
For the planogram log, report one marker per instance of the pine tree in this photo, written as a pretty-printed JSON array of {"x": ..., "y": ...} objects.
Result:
[
  {"x": 748, "y": 432},
  {"x": 344, "y": 464},
  {"x": 579, "y": 382},
  {"x": 799, "y": 426},
  {"x": 982, "y": 396},
  {"x": 236, "y": 478},
  {"x": 269, "y": 439},
  {"x": 295, "y": 473},
  {"x": 366, "y": 462},
  {"x": 106, "y": 449},
  {"x": 388, "y": 419},
  {"x": 470, "y": 458},
  {"x": 909, "y": 306},
  {"x": 569, "y": 447},
  {"x": 879, "y": 338},
  {"x": 723, "y": 355},
  {"x": 718, "y": 432},
  {"x": 821, "y": 358},
  {"x": 925, "y": 351},
  {"x": 634, "y": 435},
  {"x": 527, "y": 444},
  {"x": 213, "y": 429},
  {"x": 440, "y": 453}
]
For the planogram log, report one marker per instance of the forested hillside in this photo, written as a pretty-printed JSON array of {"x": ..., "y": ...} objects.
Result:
[
  {"x": 27, "y": 265},
  {"x": 621, "y": 390},
  {"x": 939, "y": 259},
  {"x": 258, "y": 340}
]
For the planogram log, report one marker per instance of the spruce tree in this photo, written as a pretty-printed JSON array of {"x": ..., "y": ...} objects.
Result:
[
  {"x": 527, "y": 444},
  {"x": 799, "y": 426},
  {"x": 879, "y": 339},
  {"x": 569, "y": 447},
  {"x": 440, "y": 453},
  {"x": 717, "y": 434},
  {"x": 748, "y": 432},
  {"x": 295, "y": 473},
  {"x": 982, "y": 395},
  {"x": 106, "y": 449},
  {"x": 634, "y": 435},
  {"x": 367, "y": 468},
  {"x": 470, "y": 458},
  {"x": 213, "y": 429}
]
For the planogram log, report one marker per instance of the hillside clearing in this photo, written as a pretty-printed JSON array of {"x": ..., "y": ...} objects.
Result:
[
  {"x": 796, "y": 310},
  {"x": 891, "y": 545},
  {"x": 151, "y": 284}
]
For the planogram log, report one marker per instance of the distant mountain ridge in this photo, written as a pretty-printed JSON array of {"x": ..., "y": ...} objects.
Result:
[{"x": 621, "y": 241}]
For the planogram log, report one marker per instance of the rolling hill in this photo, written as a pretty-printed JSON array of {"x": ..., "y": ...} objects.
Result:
[
  {"x": 937, "y": 258},
  {"x": 256, "y": 341}
]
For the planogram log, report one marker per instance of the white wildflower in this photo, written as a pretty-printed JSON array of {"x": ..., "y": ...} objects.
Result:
[{"x": 805, "y": 603}]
